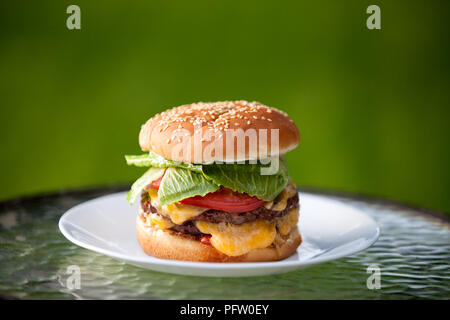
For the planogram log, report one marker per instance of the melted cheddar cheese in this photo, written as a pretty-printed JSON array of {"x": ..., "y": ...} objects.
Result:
[
  {"x": 287, "y": 222},
  {"x": 161, "y": 222},
  {"x": 178, "y": 212},
  {"x": 280, "y": 202},
  {"x": 235, "y": 240}
]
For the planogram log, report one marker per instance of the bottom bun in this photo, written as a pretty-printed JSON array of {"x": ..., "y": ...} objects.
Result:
[{"x": 169, "y": 245}]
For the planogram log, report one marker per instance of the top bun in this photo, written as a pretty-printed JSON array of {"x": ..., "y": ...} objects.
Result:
[{"x": 197, "y": 133}]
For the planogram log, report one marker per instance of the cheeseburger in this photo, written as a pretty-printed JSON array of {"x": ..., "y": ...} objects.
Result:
[{"x": 216, "y": 187}]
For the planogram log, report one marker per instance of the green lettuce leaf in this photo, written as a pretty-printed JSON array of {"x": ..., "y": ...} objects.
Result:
[
  {"x": 184, "y": 180},
  {"x": 154, "y": 160},
  {"x": 247, "y": 178},
  {"x": 152, "y": 174},
  {"x": 178, "y": 184}
]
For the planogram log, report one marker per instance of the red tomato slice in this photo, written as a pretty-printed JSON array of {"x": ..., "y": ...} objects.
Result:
[
  {"x": 155, "y": 184},
  {"x": 225, "y": 200}
]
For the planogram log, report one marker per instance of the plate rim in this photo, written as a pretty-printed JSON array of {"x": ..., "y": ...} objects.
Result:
[{"x": 214, "y": 265}]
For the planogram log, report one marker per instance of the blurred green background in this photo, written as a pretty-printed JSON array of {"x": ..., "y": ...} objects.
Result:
[{"x": 372, "y": 106}]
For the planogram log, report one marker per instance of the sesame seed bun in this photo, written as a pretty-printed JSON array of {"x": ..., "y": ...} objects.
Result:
[
  {"x": 207, "y": 124},
  {"x": 169, "y": 245}
]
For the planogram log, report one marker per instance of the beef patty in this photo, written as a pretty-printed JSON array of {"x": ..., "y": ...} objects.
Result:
[{"x": 217, "y": 216}]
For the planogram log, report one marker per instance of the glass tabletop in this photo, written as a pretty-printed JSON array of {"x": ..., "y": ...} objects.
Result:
[{"x": 36, "y": 262}]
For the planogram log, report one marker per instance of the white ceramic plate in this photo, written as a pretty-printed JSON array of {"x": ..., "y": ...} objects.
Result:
[{"x": 330, "y": 230}]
